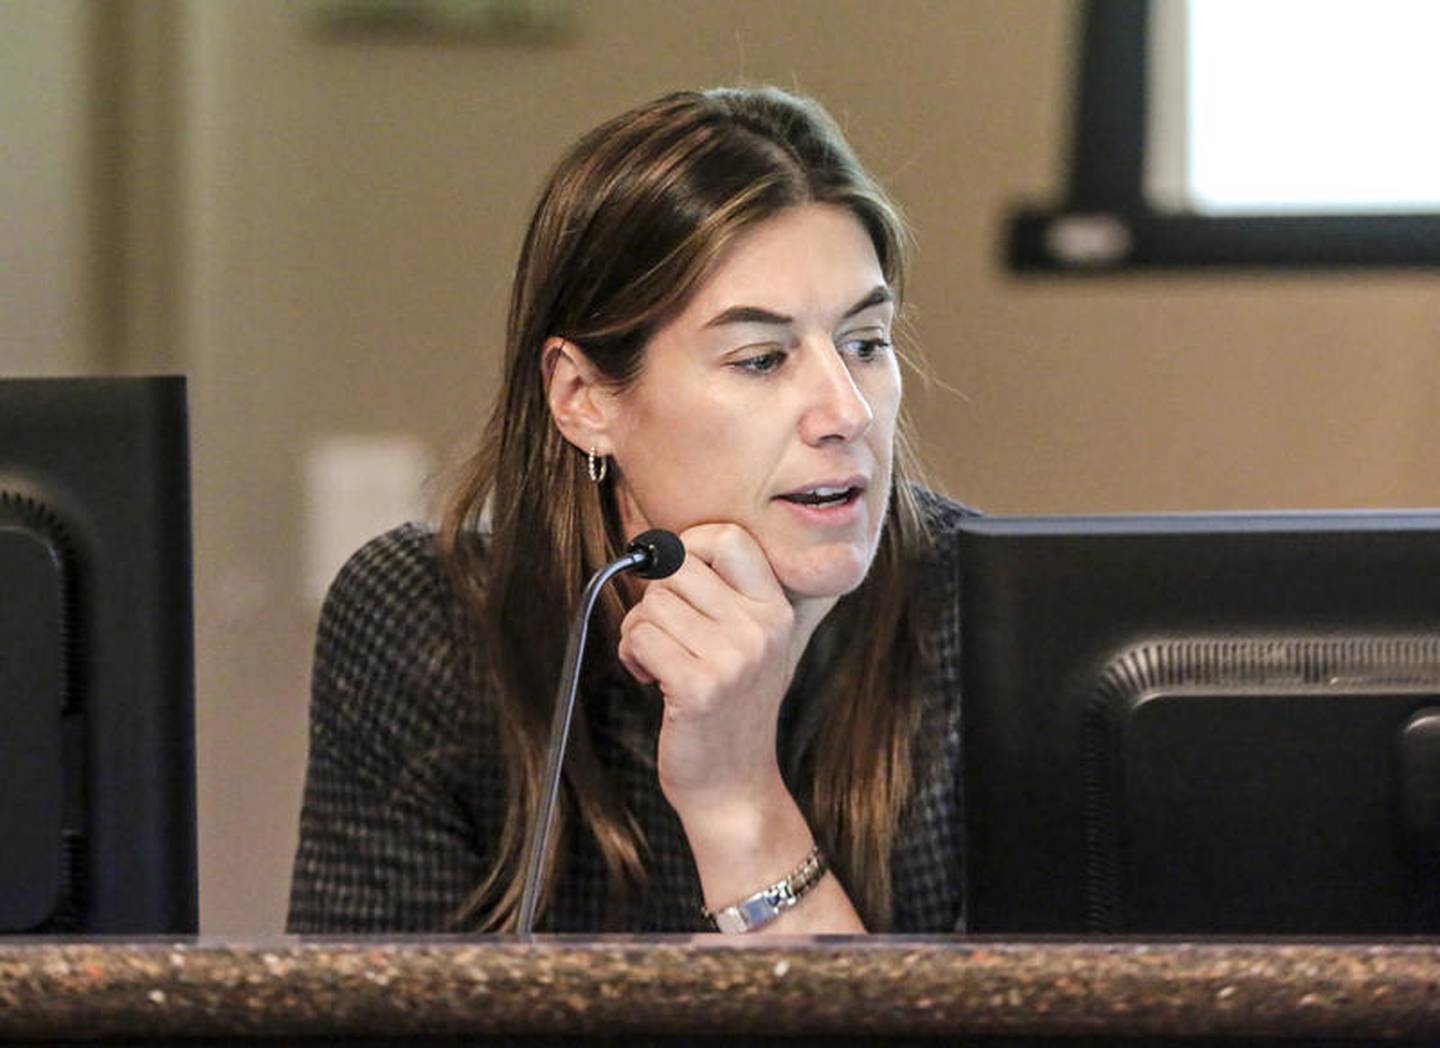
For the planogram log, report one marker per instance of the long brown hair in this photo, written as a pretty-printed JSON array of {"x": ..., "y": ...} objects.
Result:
[{"x": 628, "y": 226}]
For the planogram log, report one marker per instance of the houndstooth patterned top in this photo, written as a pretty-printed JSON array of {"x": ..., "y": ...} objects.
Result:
[{"x": 404, "y": 792}]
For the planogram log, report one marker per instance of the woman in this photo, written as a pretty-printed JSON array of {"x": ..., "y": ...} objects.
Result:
[{"x": 700, "y": 339}]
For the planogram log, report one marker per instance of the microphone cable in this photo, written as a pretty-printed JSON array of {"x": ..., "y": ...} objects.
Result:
[{"x": 652, "y": 555}]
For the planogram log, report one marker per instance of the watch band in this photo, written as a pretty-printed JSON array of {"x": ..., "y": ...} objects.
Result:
[{"x": 768, "y": 903}]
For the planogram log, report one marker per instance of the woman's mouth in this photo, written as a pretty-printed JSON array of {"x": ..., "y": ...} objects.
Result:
[
  {"x": 836, "y": 504},
  {"x": 823, "y": 497}
]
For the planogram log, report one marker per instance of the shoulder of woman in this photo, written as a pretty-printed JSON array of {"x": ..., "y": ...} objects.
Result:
[
  {"x": 392, "y": 626},
  {"x": 394, "y": 584},
  {"x": 942, "y": 513}
]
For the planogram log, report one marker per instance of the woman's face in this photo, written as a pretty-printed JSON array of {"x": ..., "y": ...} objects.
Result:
[{"x": 770, "y": 402}]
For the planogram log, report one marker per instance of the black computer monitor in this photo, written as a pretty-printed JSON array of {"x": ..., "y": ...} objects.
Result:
[
  {"x": 1202, "y": 724},
  {"x": 97, "y": 737}
]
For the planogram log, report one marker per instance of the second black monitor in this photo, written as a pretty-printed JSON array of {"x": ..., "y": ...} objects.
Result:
[{"x": 1203, "y": 724}]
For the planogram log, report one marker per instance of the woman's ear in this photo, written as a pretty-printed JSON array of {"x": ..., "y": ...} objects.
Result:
[{"x": 580, "y": 400}]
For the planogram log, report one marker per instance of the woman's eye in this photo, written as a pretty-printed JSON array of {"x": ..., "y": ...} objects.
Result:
[
  {"x": 865, "y": 348},
  {"x": 761, "y": 363}
]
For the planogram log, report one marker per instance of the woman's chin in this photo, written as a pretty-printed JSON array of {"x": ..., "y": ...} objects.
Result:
[{"x": 823, "y": 573}]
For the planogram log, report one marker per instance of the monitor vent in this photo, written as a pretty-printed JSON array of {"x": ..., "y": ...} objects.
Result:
[
  {"x": 1278, "y": 662},
  {"x": 1280, "y": 665},
  {"x": 18, "y": 510},
  {"x": 1102, "y": 829},
  {"x": 29, "y": 878},
  {"x": 68, "y": 917}
]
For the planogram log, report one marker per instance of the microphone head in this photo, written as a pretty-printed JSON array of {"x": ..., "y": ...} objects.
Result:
[{"x": 663, "y": 550}]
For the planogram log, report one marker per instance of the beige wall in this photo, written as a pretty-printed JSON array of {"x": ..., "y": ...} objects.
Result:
[
  {"x": 46, "y": 232},
  {"x": 345, "y": 215}
]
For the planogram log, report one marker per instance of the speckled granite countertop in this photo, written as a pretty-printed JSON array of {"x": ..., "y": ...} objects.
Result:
[{"x": 451, "y": 987}]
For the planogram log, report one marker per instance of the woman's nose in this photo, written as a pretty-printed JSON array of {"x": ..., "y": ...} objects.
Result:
[{"x": 837, "y": 408}]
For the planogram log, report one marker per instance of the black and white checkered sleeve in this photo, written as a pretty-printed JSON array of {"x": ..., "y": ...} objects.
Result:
[
  {"x": 929, "y": 853},
  {"x": 390, "y": 839}
]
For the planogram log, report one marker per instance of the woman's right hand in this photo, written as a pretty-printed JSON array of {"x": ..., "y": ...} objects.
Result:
[
  {"x": 722, "y": 640},
  {"x": 719, "y": 638}
]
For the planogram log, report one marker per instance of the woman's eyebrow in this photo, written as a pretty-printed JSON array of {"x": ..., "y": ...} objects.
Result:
[
  {"x": 878, "y": 295},
  {"x": 757, "y": 315},
  {"x": 747, "y": 315}
]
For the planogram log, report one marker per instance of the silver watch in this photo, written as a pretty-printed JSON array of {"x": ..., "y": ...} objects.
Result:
[{"x": 768, "y": 903}]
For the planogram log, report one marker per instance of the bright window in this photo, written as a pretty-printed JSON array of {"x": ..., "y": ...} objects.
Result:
[{"x": 1283, "y": 106}]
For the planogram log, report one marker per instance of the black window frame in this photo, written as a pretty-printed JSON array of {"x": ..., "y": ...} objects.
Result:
[{"x": 1105, "y": 224}]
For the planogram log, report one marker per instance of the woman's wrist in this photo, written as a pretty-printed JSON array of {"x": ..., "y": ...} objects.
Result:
[
  {"x": 773, "y": 901},
  {"x": 750, "y": 844},
  {"x": 746, "y": 844}
]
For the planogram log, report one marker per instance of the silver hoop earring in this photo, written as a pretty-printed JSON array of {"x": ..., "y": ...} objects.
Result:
[{"x": 596, "y": 465}]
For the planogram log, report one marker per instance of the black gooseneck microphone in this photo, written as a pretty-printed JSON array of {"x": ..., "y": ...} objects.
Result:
[{"x": 653, "y": 555}]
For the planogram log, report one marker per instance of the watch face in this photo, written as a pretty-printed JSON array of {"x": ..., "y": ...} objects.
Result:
[
  {"x": 767, "y": 904},
  {"x": 730, "y": 921}
]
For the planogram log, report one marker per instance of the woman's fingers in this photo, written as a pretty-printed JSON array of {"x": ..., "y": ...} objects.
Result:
[
  {"x": 661, "y": 616},
  {"x": 677, "y": 616},
  {"x": 718, "y": 597},
  {"x": 652, "y": 655},
  {"x": 722, "y": 609},
  {"x": 732, "y": 553}
]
